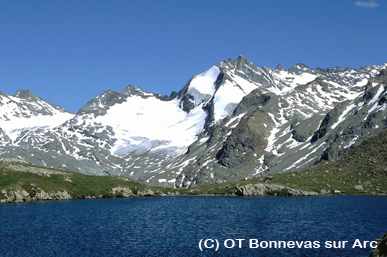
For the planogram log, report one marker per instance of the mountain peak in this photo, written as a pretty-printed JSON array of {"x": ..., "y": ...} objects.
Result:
[
  {"x": 242, "y": 61},
  {"x": 300, "y": 67},
  {"x": 241, "y": 57},
  {"x": 25, "y": 94},
  {"x": 131, "y": 90},
  {"x": 238, "y": 63},
  {"x": 137, "y": 91},
  {"x": 279, "y": 67}
]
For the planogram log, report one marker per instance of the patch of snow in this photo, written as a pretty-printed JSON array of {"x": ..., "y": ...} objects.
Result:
[
  {"x": 272, "y": 139},
  {"x": 246, "y": 86},
  {"x": 363, "y": 82},
  {"x": 203, "y": 140},
  {"x": 304, "y": 158},
  {"x": 377, "y": 95},
  {"x": 382, "y": 107},
  {"x": 233, "y": 119},
  {"x": 207, "y": 162},
  {"x": 352, "y": 142},
  {"x": 16, "y": 125},
  {"x": 341, "y": 118}
]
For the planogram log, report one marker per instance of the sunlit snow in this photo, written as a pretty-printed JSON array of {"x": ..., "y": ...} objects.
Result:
[
  {"x": 202, "y": 85},
  {"x": 226, "y": 99},
  {"x": 15, "y": 119},
  {"x": 345, "y": 112},
  {"x": 147, "y": 123}
]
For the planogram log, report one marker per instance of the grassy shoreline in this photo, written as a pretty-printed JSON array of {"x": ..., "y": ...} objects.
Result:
[
  {"x": 362, "y": 171},
  {"x": 34, "y": 183}
]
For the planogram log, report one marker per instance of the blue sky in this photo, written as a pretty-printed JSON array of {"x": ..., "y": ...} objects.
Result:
[{"x": 68, "y": 52}]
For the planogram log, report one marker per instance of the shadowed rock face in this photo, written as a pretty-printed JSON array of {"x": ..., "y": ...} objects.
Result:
[
  {"x": 330, "y": 119},
  {"x": 246, "y": 121},
  {"x": 4, "y": 138},
  {"x": 247, "y": 139},
  {"x": 381, "y": 250}
]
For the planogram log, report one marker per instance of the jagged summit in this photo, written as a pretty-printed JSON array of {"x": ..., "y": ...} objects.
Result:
[
  {"x": 383, "y": 75},
  {"x": 239, "y": 63},
  {"x": 137, "y": 91},
  {"x": 300, "y": 67},
  {"x": 279, "y": 67},
  {"x": 25, "y": 94},
  {"x": 131, "y": 90},
  {"x": 241, "y": 58}
]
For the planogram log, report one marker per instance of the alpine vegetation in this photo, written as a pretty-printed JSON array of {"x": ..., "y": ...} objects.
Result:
[{"x": 232, "y": 121}]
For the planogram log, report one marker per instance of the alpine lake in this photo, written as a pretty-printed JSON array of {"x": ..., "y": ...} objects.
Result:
[{"x": 195, "y": 226}]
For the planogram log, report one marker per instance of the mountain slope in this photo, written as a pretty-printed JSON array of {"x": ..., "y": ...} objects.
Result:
[
  {"x": 232, "y": 121},
  {"x": 360, "y": 171},
  {"x": 276, "y": 129}
]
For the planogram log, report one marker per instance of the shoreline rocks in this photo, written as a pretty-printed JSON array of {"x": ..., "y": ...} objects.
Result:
[
  {"x": 270, "y": 190},
  {"x": 19, "y": 195},
  {"x": 146, "y": 192},
  {"x": 381, "y": 250},
  {"x": 122, "y": 191}
]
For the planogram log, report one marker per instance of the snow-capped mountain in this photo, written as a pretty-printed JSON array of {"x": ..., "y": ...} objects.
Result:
[
  {"x": 272, "y": 127},
  {"x": 25, "y": 111},
  {"x": 232, "y": 121}
]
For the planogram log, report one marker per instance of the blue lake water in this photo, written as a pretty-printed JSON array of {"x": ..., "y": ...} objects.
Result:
[{"x": 174, "y": 226}]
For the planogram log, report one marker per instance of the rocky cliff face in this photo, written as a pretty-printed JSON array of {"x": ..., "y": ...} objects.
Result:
[{"x": 234, "y": 120}]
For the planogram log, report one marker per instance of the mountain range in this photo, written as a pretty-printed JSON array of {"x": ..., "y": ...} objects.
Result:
[{"x": 230, "y": 122}]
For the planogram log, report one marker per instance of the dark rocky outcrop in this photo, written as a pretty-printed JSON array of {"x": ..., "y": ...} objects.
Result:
[
  {"x": 247, "y": 139},
  {"x": 381, "y": 250}
]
